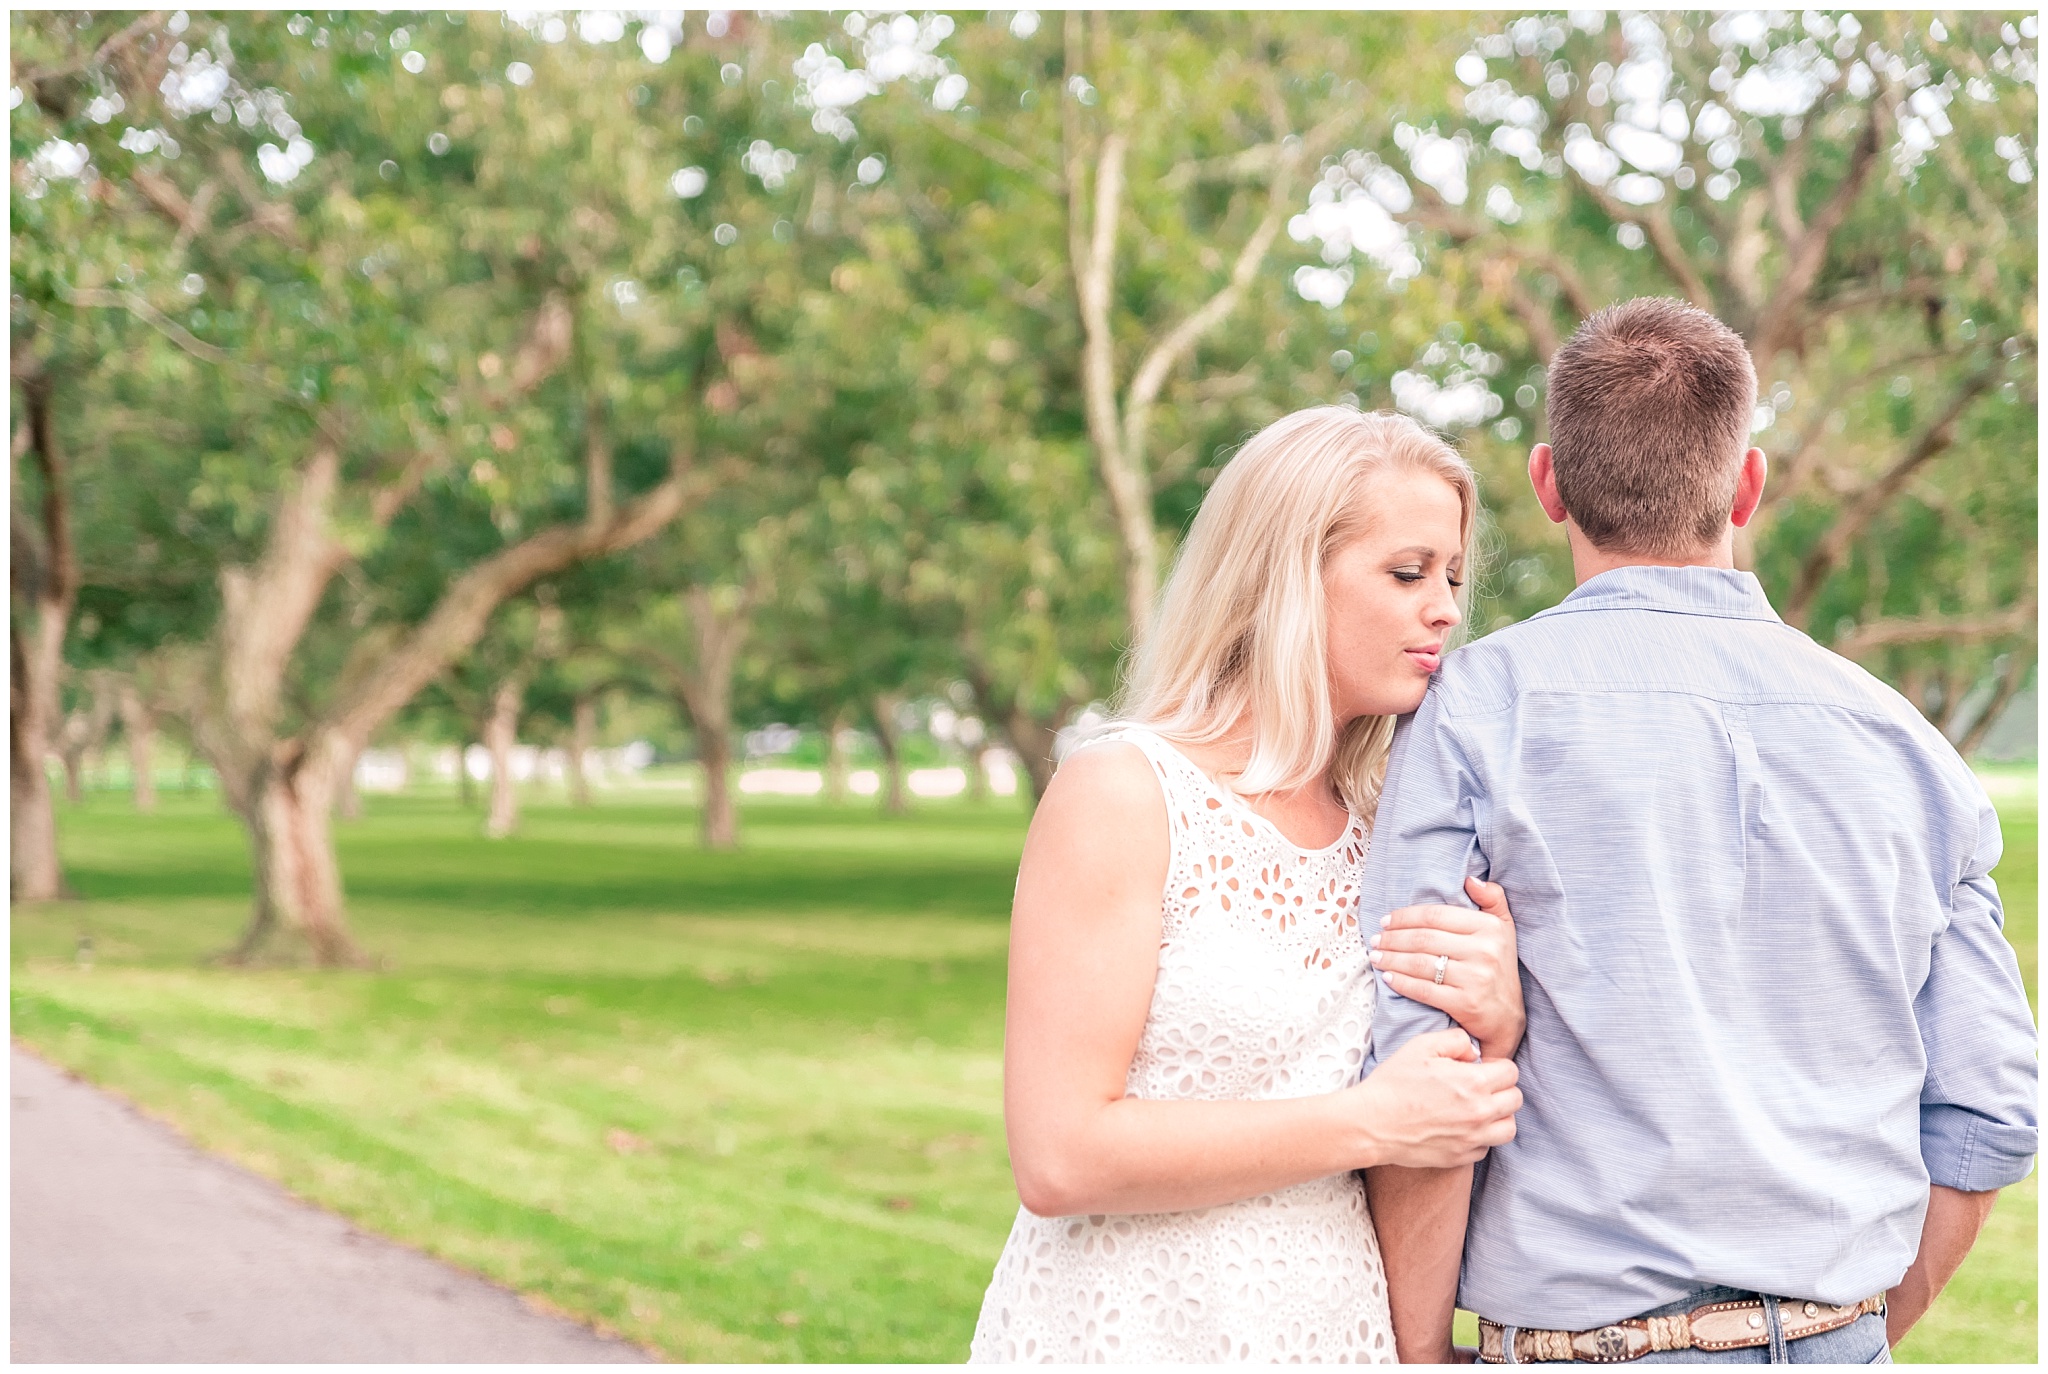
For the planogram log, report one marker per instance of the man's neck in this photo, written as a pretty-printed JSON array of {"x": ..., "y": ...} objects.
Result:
[{"x": 1589, "y": 560}]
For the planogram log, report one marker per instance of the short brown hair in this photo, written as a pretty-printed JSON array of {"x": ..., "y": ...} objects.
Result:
[{"x": 1649, "y": 407}]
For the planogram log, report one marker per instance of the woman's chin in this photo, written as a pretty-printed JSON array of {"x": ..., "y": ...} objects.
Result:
[{"x": 1394, "y": 701}]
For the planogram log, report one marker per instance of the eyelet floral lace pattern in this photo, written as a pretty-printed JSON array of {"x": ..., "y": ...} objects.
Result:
[{"x": 1263, "y": 991}]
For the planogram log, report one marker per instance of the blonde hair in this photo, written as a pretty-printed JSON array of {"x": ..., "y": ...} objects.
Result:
[{"x": 1241, "y": 628}]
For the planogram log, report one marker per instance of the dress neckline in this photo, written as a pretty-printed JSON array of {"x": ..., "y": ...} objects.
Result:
[{"x": 1352, "y": 823}]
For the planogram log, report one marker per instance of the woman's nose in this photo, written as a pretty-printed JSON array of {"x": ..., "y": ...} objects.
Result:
[{"x": 1443, "y": 611}]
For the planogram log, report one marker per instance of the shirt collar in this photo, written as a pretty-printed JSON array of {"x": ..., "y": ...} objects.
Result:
[{"x": 1728, "y": 593}]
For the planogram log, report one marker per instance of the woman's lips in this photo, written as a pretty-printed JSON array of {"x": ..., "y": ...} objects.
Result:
[{"x": 1426, "y": 659}]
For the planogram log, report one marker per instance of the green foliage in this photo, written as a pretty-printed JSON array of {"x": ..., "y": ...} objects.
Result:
[{"x": 861, "y": 318}]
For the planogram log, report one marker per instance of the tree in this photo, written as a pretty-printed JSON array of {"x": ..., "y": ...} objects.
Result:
[
  {"x": 1858, "y": 203},
  {"x": 44, "y": 578},
  {"x": 354, "y": 258}
]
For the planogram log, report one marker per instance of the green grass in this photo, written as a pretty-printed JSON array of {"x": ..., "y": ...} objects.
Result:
[
  {"x": 735, "y": 1107},
  {"x": 738, "y": 1107}
]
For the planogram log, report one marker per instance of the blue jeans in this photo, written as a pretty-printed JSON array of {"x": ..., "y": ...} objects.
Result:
[{"x": 1860, "y": 1342}]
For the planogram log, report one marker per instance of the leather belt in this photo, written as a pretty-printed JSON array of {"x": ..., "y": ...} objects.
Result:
[{"x": 1716, "y": 1326}]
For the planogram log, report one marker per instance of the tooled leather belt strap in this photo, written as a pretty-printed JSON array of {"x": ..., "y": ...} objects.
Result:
[{"x": 1716, "y": 1326}]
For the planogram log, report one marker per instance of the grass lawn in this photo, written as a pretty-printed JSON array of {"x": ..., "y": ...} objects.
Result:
[{"x": 736, "y": 1107}]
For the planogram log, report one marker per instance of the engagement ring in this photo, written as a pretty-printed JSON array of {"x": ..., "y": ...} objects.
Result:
[{"x": 1443, "y": 961}]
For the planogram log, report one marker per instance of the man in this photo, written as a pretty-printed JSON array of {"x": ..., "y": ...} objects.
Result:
[{"x": 1779, "y": 1058}]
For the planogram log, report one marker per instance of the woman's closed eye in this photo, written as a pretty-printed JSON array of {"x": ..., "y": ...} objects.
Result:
[{"x": 1412, "y": 575}]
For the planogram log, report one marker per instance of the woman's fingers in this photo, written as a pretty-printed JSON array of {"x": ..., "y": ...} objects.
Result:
[
  {"x": 1455, "y": 1002},
  {"x": 1435, "y": 916},
  {"x": 1490, "y": 898},
  {"x": 1423, "y": 940},
  {"x": 1422, "y": 966}
]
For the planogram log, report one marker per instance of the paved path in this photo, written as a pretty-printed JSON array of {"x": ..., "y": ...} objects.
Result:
[{"x": 131, "y": 1245}]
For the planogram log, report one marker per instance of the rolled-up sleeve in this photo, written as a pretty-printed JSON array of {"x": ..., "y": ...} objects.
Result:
[
  {"x": 1424, "y": 844},
  {"x": 1979, "y": 1126}
]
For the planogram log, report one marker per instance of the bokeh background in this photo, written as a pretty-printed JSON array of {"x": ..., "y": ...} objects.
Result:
[{"x": 553, "y": 550}]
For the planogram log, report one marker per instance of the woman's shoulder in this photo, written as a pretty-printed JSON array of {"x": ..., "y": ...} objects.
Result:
[
  {"x": 1103, "y": 815},
  {"x": 1118, "y": 767}
]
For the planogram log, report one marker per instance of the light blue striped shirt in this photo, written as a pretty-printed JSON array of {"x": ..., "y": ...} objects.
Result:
[{"x": 1768, "y": 994}]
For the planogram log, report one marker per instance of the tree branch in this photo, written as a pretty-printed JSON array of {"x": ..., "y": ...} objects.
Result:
[
  {"x": 1871, "y": 501},
  {"x": 1781, "y": 318},
  {"x": 195, "y": 215},
  {"x": 2017, "y": 667},
  {"x": 392, "y": 497},
  {"x": 135, "y": 304},
  {"x": 995, "y": 150},
  {"x": 1894, "y": 630},
  {"x": 1253, "y": 163},
  {"x": 1095, "y": 237},
  {"x": 597, "y": 468},
  {"x": 119, "y": 40},
  {"x": 464, "y": 610},
  {"x": 1432, "y": 212},
  {"x": 1656, "y": 224},
  {"x": 1160, "y": 360}
]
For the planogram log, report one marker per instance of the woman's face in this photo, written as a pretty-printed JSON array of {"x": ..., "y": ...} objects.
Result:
[{"x": 1389, "y": 593}]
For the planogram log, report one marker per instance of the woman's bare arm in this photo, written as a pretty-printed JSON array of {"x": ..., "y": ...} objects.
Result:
[{"x": 1084, "y": 951}]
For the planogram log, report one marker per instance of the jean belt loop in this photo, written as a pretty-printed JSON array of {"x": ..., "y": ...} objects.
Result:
[
  {"x": 1507, "y": 1345},
  {"x": 1775, "y": 1323}
]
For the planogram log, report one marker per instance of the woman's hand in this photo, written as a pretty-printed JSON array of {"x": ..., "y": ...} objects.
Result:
[
  {"x": 1429, "y": 1105},
  {"x": 1482, "y": 986}
]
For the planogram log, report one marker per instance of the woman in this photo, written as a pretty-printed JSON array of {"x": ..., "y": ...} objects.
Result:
[{"x": 1190, "y": 992}]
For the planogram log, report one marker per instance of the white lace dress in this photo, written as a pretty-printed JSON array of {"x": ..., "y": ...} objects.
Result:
[{"x": 1263, "y": 991}]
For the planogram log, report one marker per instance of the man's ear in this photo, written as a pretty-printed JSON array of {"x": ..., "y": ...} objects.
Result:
[
  {"x": 1749, "y": 487},
  {"x": 1543, "y": 477}
]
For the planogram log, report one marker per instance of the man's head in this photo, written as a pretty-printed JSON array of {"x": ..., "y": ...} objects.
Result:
[{"x": 1649, "y": 410}]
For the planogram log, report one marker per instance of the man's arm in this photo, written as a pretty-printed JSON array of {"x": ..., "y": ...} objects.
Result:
[
  {"x": 1420, "y": 1216},
  {"x": 1979, "y": 1128},
  {"x": 1424, "y": 845},
  {"x": 1953, "y": 1221}
]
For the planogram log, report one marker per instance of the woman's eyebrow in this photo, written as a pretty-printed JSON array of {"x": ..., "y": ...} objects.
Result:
[{"x": 1414, "y": 549}]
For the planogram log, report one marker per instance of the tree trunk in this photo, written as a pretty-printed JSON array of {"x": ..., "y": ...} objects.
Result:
[
  {"x": 73, "y": 758},
  {"x": 36, "y": 874},
  {"x": 298, "y": 878},
  {"x": 721, "y": 815},
  {"x": 889, "y": 735},
  {"x": 465, "y": 786},
  {"x": 282, "y": 791},
  {"x": 1860, "y": 511},
  {"x": 977, "y": 774},
  {"x": 835, "y": 759},
  {"x": 582, "y": 738},
  {"x": 138, "y": 723},
  {"x": 264, "y": 613},
  {"x": 1913, "y": 686},
  {"x": 1030, "y": 737},
  {"x": 45, "y": 585},
  {"x": 1955, "y": 692},
  {"x": 1119, "y": 427},
  {"x": 2020, "y": 663},
  {"x": 702, "y": 687},
  {"x": 501, "y": 735},
  {"x": 84, "y": 732},
  {"x": 1032, "y": 740},
  {"x": 348, "y": 802}
]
